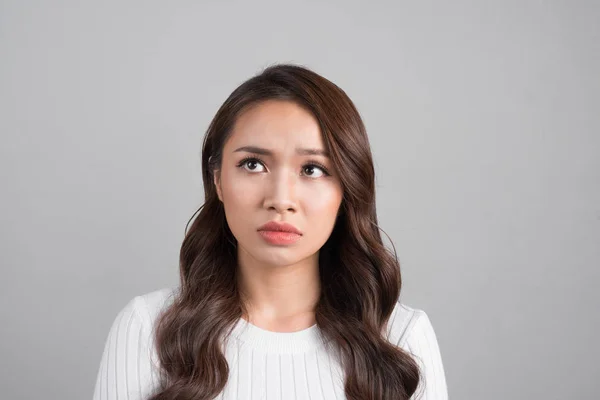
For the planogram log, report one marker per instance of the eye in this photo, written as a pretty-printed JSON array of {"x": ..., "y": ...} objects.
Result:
[
  {"x": 311, "y": 165},
  {"x": 311, "y": 168},
  {"x": 250, "y": 161}
]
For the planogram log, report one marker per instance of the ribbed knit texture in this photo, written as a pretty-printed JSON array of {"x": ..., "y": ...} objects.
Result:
[{"x": 263, "y": 364}]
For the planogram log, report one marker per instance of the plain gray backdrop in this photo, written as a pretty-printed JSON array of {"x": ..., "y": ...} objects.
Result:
[{"x": 483, "y": 119}]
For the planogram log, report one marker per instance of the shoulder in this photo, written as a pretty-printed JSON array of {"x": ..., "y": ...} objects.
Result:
[
  {"x": 141, "y": 311},
  {"x": 406, "y": 322},
  {"x": 149, "y": 305},
  {"x": 137, "y": 319}
]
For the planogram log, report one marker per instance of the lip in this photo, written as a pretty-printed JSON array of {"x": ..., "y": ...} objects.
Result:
[
  {"x": 275, "y": 226},
  {"x": 279, "y": 233},
  {"x": 279, "y": 238}
]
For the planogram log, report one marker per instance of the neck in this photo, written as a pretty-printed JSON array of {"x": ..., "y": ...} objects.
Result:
[{"x": 279, "y": 296}]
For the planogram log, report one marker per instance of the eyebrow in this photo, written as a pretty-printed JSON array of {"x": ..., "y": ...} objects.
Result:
[{"x": 300, "y": 151}]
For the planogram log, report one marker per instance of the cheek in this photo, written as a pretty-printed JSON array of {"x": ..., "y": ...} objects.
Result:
[
  {"x": 238, "y": 200},
  {"x": 322, "y": 207},
  {"x": 321, "y": 213},
  {"x": 237, "y": 191}
]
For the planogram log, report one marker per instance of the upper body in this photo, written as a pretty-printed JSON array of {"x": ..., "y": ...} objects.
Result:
[
  {"x": 264, "y": 364},
  {"x": 287, "y": 232}
]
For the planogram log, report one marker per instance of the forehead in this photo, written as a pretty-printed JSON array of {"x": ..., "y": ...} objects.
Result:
[{"x": 276, "y": 124}]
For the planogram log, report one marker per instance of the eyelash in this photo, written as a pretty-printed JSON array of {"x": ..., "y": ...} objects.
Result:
[{"x": 311, "y": 163}]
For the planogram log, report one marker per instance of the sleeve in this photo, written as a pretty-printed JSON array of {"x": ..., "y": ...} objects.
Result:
[
  {"x": 422, "y": 343},
  {"x": 125, "y": 371}
]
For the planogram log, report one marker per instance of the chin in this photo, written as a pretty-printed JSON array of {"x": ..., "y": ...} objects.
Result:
[{"x": 277, "y": 258}]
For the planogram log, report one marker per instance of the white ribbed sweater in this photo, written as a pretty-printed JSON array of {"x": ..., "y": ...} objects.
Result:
[{"x": 263, "y": 364}]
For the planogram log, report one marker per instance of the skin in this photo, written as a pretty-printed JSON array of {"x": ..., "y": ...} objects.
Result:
[{"x": 280, "y": 284}]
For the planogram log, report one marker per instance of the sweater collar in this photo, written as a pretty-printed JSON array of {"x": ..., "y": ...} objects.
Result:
[{"x": 278, "y": 342}]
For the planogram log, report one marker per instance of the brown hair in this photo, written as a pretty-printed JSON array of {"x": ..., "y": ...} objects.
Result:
[{"x": 360, "y": 277}]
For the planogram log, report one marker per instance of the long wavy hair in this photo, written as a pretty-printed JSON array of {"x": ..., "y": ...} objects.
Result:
[{"x": 360, "y": 277}]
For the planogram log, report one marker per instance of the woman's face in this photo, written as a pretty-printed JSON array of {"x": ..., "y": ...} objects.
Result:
[{"x": 278, "y": 181}]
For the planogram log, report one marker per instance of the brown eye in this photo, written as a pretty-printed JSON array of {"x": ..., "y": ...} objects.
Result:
[
  {"x": 250, "y": 164},
  {"x": 310, "y": 168}
]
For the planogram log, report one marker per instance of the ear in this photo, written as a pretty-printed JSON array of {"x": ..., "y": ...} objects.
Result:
[{"x": 217, "y": 182}]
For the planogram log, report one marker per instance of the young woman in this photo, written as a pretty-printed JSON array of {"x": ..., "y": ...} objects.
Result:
[{"x": 286, "y": 289}]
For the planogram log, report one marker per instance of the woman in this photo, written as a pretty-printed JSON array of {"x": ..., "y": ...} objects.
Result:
[{"x": 286, "y": 290}]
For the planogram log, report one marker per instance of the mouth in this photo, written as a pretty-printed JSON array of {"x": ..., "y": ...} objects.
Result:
[{"x": 279, "y": 237}]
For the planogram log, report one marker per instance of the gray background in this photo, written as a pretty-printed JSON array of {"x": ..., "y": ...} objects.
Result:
[{"x": 483, "y": 120}]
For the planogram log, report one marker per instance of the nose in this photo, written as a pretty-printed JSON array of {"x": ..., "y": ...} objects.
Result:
[{"x": 280, "y": 193}]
